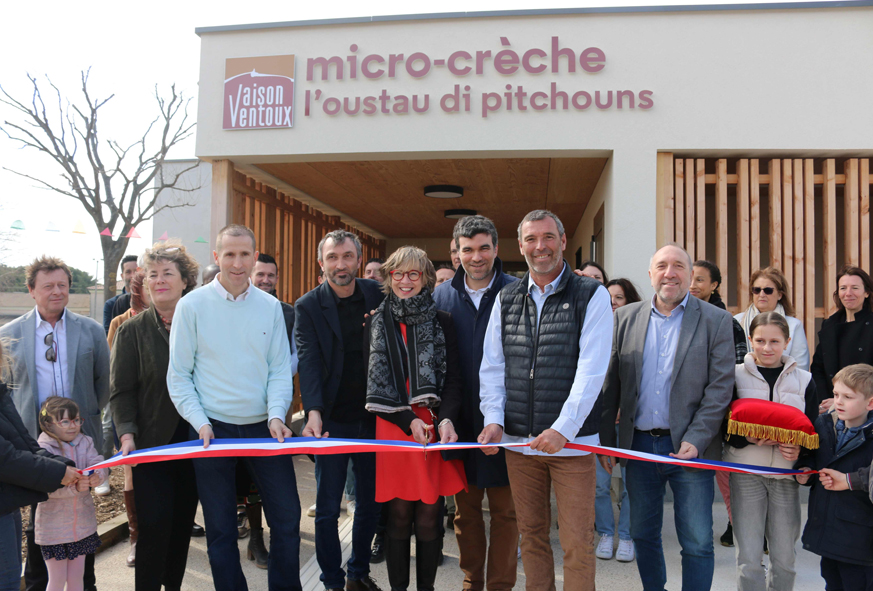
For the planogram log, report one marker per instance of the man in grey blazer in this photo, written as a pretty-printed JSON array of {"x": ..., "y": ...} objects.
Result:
[
  {"x": 671, "y": 376},
  {"x": 55, "y": 352}
]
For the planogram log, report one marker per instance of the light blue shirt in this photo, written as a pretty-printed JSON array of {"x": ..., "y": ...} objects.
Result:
[
  {"x": 230, "y": 360},
  {"x": 659, "y": 353},
  {"x": 595, "y": 345}
]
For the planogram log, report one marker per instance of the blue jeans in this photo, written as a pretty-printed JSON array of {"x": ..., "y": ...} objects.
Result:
[
  {"x": 693, "y": 494},
  {"x": 10, "y": 551},
  {"x": 330, "y": 480},
  {"x": 274, "y": 476},
  {"x": 604, "y": 520}
]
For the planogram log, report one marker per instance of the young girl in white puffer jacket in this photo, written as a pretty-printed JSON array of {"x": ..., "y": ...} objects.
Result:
[{"x": 768, "y": 505}]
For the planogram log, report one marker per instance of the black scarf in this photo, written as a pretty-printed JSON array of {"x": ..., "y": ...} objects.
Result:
[{"x": 422, "y": 359}]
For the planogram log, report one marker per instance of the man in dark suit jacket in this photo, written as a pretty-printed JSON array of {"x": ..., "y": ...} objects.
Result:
[
  {"x": 333, "y": 382},
  {"x": 469, "y": 297},
  {"x": 671, "y": 375}
]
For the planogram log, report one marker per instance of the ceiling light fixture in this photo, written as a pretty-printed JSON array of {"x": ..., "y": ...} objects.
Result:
[
  {"x": 444, "y": 191},
  {"x": 456, "y": 214}
]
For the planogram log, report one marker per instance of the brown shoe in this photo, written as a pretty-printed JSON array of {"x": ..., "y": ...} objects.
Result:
[
  {"x": 367, "y": 584},
  {"x": 132, "y": 525}
]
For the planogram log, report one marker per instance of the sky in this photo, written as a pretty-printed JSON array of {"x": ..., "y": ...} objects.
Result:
[{"x": 129, "y": 51}]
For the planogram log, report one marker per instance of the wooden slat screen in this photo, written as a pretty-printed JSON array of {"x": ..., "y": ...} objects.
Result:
[
  {"x": 746, "y": 213},
  {"x": 290, "y": 231}
]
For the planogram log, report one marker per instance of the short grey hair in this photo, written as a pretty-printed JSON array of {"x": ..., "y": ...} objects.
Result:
[
  {"x": 540, "y": 214},
  {"x": 338, "y": 237},
  {"x": 469, "y": 226}
]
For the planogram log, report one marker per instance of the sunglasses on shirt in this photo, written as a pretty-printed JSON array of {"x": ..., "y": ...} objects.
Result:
[
  {"x": 51, "y": 353},
  {"x": 767, "y": 290}
]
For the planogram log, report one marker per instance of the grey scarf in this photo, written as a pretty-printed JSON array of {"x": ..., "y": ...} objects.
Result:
[{"x": 421, "y": 360}]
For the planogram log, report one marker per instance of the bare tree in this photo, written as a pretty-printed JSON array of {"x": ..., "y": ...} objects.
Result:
[{"x": 117, "y": 185}]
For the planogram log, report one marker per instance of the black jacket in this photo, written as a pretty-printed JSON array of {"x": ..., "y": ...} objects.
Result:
[
  {"x": 288, "y": 314},
  {"x": 470, "y": 325},
  {"x": 536, "y": 391},
  {"x": 121, "y": 305},
  {"x": 320, "y": 343},
  {"x": 27, "y": 471},
  {"x": 826, "y": 361},
  {"x": 741, "y": 345},
  {"x": 840, "y": 523}
]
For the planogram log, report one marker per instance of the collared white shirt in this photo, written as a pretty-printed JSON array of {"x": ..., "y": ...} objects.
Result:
[
  {"x": 477, "y": 294},
  {"x": 226, "y": 295},
  {"x": 595, "y": 346},
  {"x": 51, "y": 377}
]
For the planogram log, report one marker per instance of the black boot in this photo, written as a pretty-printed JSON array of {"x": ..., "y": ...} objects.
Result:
[
  {"x": 256, "y": 549},
  {"x": 427, "y": 559},
  {"x": 397, "y": 561}
]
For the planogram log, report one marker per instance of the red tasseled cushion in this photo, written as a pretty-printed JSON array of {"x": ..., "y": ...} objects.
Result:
[{"x": 771, "y": 420}]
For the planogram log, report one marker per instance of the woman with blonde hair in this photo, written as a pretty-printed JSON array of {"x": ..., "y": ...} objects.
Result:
[
  {"x": 414, "y": 386},
  {"x": 166, "y": 497},
  {"x": 771, "y": 293}
]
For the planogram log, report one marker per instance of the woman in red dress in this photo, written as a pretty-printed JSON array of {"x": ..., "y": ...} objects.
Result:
[{"x": 414, "y": 386}]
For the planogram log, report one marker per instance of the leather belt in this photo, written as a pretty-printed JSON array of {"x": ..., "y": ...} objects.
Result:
[{"x": 656, "y": 432}]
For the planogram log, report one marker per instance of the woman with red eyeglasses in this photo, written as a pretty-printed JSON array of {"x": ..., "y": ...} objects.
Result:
[
  {"x": 771, "y": 293},
  {"x": 414, "y": 386}
]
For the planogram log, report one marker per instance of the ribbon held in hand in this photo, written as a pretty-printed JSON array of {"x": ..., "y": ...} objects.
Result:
[{"x": 222, "y": 448}]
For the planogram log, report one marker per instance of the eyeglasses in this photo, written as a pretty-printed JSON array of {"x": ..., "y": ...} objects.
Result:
[
  {"x": 66, "y": 423},
  {"x": 767, "y": 290},
  {"x": 51, "y": 353},
  {"x": 397, "y": 275}
]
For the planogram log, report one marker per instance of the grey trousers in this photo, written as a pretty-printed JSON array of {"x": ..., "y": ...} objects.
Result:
[{"x": 765, "y": 506}]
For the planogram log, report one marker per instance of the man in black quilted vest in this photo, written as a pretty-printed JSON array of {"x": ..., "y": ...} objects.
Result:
[{"x": 545, "y": 356}]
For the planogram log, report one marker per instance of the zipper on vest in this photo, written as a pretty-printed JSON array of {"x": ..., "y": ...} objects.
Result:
[{"x": 530, "y": 396}]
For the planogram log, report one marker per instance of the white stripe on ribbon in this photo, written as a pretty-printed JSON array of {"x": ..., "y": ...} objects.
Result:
[{"x": 222, "y": 448}]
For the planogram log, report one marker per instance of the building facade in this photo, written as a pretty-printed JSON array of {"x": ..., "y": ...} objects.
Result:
[{"x": 741, "y": 132}]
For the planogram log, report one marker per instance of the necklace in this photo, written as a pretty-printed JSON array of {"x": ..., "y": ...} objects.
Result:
[{"x": 166, "y": 322}]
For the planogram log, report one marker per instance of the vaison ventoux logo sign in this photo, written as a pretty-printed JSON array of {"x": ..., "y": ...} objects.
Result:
[{"x": 259, "y": 92}]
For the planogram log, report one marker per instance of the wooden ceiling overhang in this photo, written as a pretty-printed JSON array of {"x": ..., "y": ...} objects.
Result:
[{"x": 387, "y": 195}]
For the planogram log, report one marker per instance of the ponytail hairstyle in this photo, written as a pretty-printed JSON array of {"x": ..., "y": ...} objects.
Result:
[
  {"x": 52, "y": 410},
  {"x": 770, "y": 319}
]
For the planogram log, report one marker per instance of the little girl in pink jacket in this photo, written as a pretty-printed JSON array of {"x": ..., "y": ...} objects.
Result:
[{"x": 66, "y": 524}]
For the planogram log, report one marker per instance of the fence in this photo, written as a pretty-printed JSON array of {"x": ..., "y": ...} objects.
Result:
[{"x": 799, "y": 215}]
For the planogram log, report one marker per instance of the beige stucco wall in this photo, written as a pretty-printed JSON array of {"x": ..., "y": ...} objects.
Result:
[{"x": 752, "y": 82}]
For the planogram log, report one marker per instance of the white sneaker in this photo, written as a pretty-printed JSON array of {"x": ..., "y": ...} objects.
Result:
[
  {"x": 103, "y": 489},
  {"x": 311, "y": 511},
  {"x": 625, "y": 552},
  {"x": 604, "y": 547},
  {"x": 350, "y": 508}
]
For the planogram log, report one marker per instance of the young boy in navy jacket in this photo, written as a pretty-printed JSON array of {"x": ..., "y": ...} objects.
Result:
[{"x": 840, "y": 523}]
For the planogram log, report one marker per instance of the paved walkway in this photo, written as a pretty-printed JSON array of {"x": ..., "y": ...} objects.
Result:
[{"x": 611, "y": 575}]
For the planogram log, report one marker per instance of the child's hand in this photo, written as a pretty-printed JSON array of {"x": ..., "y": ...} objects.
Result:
[
  {"x": 766, "y": 442},
  {"x": 789, "y": 452},
  {"x": 833, "y": 480},
  {"x": 82, "y": 485},
  {"x": 802, "y": 478},
  {"x": 94, "y": 480}
]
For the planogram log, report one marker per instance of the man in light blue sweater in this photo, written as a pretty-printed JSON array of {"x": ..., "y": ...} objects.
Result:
[{"x": 230, "y": 377}]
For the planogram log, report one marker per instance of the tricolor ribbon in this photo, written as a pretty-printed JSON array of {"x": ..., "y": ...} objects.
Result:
[{"x": 222, "y": 448}]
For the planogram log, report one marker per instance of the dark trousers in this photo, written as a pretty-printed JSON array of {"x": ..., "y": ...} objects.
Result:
[
  {"x": 274, "y": 476},
  {"x": 35, "y": 572},
  {"x": 843, "y": 576},
  {"x": 166, "y": 502},
  {"x": 330, "y": 478}
]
